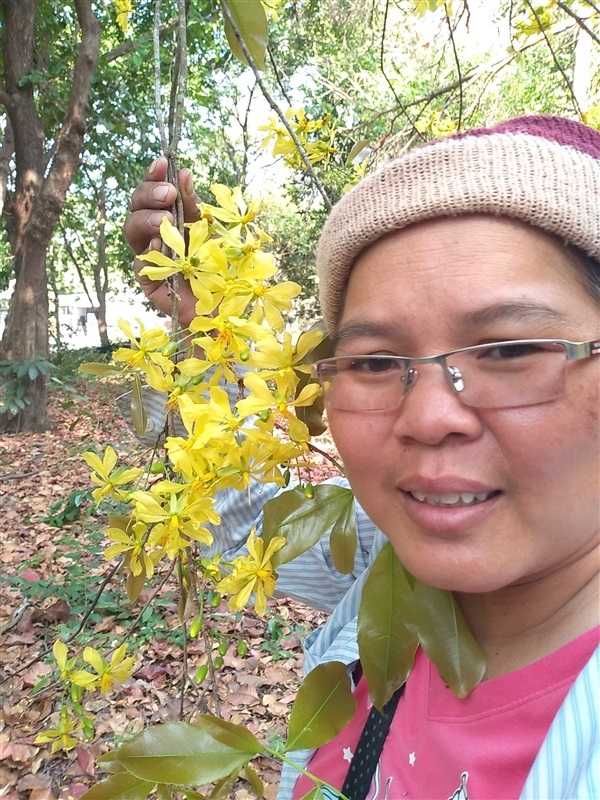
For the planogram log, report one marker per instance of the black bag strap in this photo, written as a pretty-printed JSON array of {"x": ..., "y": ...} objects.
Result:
[{"x": 368, "y": 751}]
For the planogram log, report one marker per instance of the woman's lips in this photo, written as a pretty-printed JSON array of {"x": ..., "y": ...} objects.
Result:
[
  {"x": 448, "y": 509},
  {"x": 452, "y": 499}
]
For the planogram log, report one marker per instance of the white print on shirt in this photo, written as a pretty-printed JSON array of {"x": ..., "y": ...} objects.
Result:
[
  {"x": 377, "y": 786},
  {"x": 461, "y": 792}
]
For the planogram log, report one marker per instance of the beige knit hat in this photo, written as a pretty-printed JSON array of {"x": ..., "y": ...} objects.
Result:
[{"x": 539, "y": 169}]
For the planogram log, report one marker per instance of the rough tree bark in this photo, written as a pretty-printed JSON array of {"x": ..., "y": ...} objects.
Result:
[{"x": 39, "y": 195}]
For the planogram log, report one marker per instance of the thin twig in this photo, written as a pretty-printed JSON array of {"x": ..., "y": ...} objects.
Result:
[
  {"x": 160, "y": 122},
  {"x": 277, "y": 76},
  {"x": 45, "y": 650},
  {"x": 301, "y": 150},
  {"x": 314, "y": 449},
  {"x": 19, "y": 475},
  {"x": 400, "y": 104},
  {"x": 579, "y": 20},
  {"x": 184, "y": 675},
  {"x": 149, "y": 602},
  {"x": 458, "y": 69},
  {"x": 559, "y": 66}
]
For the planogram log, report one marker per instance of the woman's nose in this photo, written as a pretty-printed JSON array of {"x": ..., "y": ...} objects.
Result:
[{"x": 431, "y": 410}]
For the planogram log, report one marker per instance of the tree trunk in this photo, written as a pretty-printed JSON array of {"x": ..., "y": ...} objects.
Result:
[{"x": 39, "y": 200}]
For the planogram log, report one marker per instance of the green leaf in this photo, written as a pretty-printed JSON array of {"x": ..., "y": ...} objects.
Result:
[
  {"x": 135, "y": 584},
  {"x": 302, "y": 520},
  {"x": 315, "y": 794},
  {"x": 356, "y": 150},
  {"x": 446, "y": 639},
  {"x": 254, "y": 780},
  {"x": 181, "y": 753},
  {"x": 324, "y": 706},
  {"x": 387, "y": 637},
  {"x": 123, "y": 787},
  {"x": 229, "y": 734},
  {"x": 343, "y": 538},
  {"x": 98, "y": 368},
  {"x": 251, "y": 21},
  {"x": 138, "y": 412}
]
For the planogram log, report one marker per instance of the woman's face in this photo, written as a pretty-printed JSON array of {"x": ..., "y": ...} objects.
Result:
[{"x": 443, "y": 285}]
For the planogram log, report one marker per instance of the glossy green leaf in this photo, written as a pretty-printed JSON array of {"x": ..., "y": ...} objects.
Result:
[
  {"x": 387, "y": 637},
  {"x": 138, "y": 412},
  {"x": 446, "y": 639},
  {"x": 323, "y": 707},
  {"x": 234, "y": 736},
  {"x": 180, "y": 753},
  {"x": 343, "y": 538},
  {"x": 302, "y": 520},
  {"x": 254, "y": 780},
  {"x": 251, "y": 21},
  {"x": 98, "y": 368},
  {"x": 120, "y": 787}
]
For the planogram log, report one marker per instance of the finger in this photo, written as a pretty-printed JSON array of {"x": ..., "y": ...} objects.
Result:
[
  {"x": 189, "y": 197},
  {"x": 141, "y": 227},
  {"x": 157, "y": 171}
]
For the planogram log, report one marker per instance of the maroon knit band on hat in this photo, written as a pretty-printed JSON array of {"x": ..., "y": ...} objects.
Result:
[{"x": 542, "y": 170}]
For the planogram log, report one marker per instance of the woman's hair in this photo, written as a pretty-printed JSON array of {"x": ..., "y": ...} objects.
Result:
[{"x": 542, "y": 170}]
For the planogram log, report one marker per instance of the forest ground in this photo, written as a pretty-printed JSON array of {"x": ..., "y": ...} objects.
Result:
[{"x": 52, "y": 565}]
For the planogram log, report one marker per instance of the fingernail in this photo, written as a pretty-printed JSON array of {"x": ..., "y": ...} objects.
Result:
[
  {"x": 155, "y": 219},
  {"x": 152, "y": 167},
  {"x": 189, "y": 185},
  {"x": 160, "y": 193}
]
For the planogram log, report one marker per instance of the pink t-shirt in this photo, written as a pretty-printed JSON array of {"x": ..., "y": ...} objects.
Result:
[{"x": 443, "y": 748}]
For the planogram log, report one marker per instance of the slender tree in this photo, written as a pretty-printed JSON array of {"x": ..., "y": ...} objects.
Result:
[{"x": 40, "y": 187}]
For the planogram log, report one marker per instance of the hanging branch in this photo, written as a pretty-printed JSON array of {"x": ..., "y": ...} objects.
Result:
[
  {"x": 400, "y": 104},
  {"x": 559, "y": 66},
  {"x": 252, "y": 64}
]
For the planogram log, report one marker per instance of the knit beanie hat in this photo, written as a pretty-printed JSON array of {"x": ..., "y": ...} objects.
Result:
[{"x": 543, "y": 170}]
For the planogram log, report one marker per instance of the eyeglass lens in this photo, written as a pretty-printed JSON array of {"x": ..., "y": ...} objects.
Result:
[{"x": 489, "y": 376}]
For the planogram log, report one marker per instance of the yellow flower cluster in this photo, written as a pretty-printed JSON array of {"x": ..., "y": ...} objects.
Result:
[
  {"x": 315, "y": 135},
  {"x": 104, "y": 677},
  {"x": 238, "y": 339}
]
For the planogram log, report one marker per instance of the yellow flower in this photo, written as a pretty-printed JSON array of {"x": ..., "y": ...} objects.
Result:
[
  {"x": 61, "y": 735},
  {"x": 146, "y": 355},
  {"x": 123, "y": 8},
  {"x": 175, "y": 519},
  {"x": 200, "y": 263},
  {"x": 119, "y": 669},
  {"x": 232, "y": 208},
  {"x": 230, "y": 338},
  {"x": 68, "y": 674},
  {"x": 252, "y": 573},
  {"x": 106, "y": 476},
  {"x": 279, "y": 401},
  {"x": 131, "y": 539},
  {"x": 282, "y": 359}
]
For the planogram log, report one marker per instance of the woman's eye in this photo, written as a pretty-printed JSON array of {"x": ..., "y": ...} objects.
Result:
[
  {"x": 373, "y": 365},
  {"x": 511, "y": 351}
]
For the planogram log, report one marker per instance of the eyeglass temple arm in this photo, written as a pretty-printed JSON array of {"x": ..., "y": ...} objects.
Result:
[{"x": 576, "y": 351}]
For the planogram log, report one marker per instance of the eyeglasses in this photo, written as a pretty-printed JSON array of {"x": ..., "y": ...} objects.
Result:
[{"x": 495, "y": 375}]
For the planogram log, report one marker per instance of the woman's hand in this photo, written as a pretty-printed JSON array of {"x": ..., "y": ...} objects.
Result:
[{"x": 150, "y": 202}]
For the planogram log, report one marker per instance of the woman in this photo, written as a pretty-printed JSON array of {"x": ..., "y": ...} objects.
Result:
[{"x": 481, "y": 466}]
